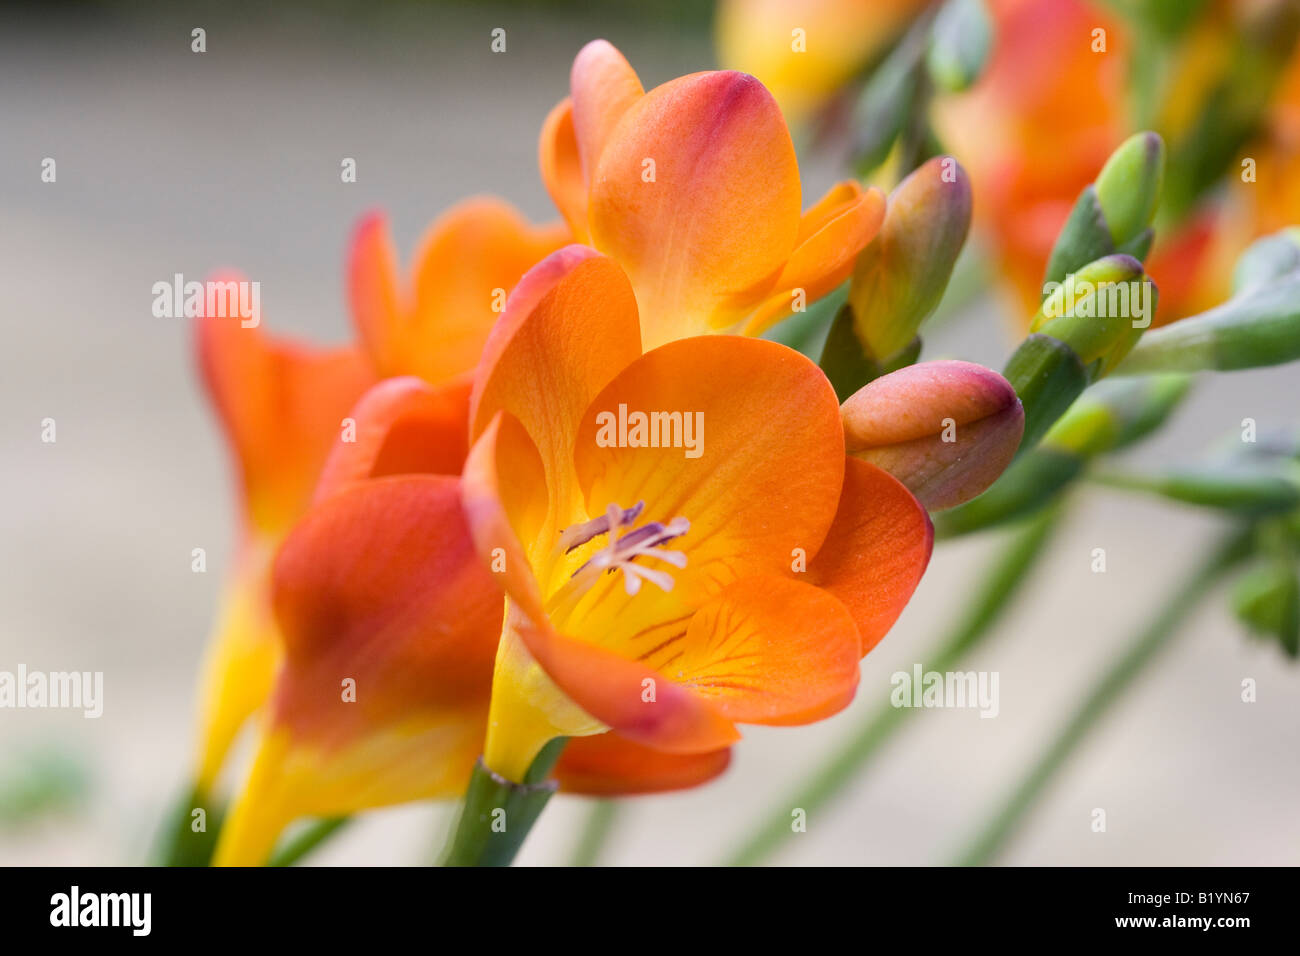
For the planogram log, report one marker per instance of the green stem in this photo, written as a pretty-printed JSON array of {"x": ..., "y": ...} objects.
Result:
[
  {"x": 179, "y": 843},
  {"x": 995, "y": 594},
  {"x": 498, "y": 813},
  {"x": 595, "y": 831},
  {"x": 993, "y": 836},
  {"x": 307, "y": 840}
]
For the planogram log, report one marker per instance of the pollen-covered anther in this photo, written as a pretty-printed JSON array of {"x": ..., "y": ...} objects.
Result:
[{"x": 620, "y": 553}]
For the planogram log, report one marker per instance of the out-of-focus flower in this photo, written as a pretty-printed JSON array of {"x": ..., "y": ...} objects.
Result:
[
  {"x": 280, "y": 404},
  {"x": 945, "y": 429},
  {"x": 389, "y": 625},
  {"x": 804, "y": 52},
  {"x": 694, "y": 189},
  {"x": 1037, "y": 127},
  {"x": 283, "y": 407},
  {"x": 730, "y": 566}
]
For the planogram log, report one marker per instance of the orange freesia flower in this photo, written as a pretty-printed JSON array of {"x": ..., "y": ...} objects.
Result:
[
  {"x": 389, "y": 624},
  {"x": 694, "y": 189},
  {"x": 805, "y": 51},
  {"x": 661, "y": 593},
  {"x": 282, "y": 406}
]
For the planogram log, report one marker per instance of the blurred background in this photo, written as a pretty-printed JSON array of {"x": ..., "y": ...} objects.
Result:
[{"x": 170, "y": 161}]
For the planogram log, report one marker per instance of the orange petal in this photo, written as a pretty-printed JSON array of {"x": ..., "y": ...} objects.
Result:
[
  {"x": 504, "y": 498},
  {"x": 608, "y": 765},
  {"x": 824, "y": 258},
  {"x": 379, "y": 304},
  {"x": 697, "y": 195},
  {"x": 468, "y": 262},
  {"x": 876, "y": 551},
  {"x": 568, "y": 329},
  {"x": 769, "y": 650},
  {"x": 561, "y": 167},
  {"x": 402, "y": 426},
  {"x": 390, "y": 628},
  {"x": 281, "y": 404},
  {"x": 639, "y": 703},
  {"x": 604, "y": 87},
  {"x": 381, "y": 583},
  {"x": 764, "y": 482}
]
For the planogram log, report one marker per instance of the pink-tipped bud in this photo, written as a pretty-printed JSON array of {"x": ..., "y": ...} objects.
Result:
[{"x": 946, "y": 430}]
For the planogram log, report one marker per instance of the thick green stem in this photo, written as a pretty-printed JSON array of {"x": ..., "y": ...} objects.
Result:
[
  {"x": 188, "y": 838},
  {"x": 498, "y": 813},
  {"x": 994, "y": 595},
  {"x": 595, "y": 831},
  {"x": 306, "y": 841},
  {"x": 994, "y": 835}
]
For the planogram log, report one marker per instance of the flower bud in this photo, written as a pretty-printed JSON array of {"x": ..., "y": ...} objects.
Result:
[
  {"x": 1114, "y": 214},
  {"x": 902, "y": 274},
  {"x": 946, "y": 430},
  {"x": 1128, "y": 186},
  {"x": 1100, "y": 311}
]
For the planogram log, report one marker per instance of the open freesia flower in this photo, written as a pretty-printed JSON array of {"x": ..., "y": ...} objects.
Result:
[
  {"x": 390, "y": 624},
  {"x": 694, "y": 189},
  {"x": 283, "y": 406},
  {"x": 683, "y": 542}
]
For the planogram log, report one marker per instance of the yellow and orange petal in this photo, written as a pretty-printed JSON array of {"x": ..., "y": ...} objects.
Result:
[
  {"x": 876, "y": 552},
  {"x": 401, "y": 426},
  {"x": 609, "y": 765},
  {"x": 281, "y": 405},
  {"x": 390, "y": 627},
  {"x": 831, "y": 234},
  {"x": 696, "y": 194},
  {"x": 434, "y": 325}
]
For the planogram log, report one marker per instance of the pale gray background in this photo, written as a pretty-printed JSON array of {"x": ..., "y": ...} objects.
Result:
[{"x": 174, "y": 162}]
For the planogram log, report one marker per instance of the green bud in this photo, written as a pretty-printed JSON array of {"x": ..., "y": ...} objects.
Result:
[
  {"x": 960, "y": 44},
  {"x": 1115, "y": 414},
  {"x": 900, "y": 277},
  {"x": 1099, "y": 311},
  {"x": 1114, "y": 214},
  {"x": 1128, "y": 187}
]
